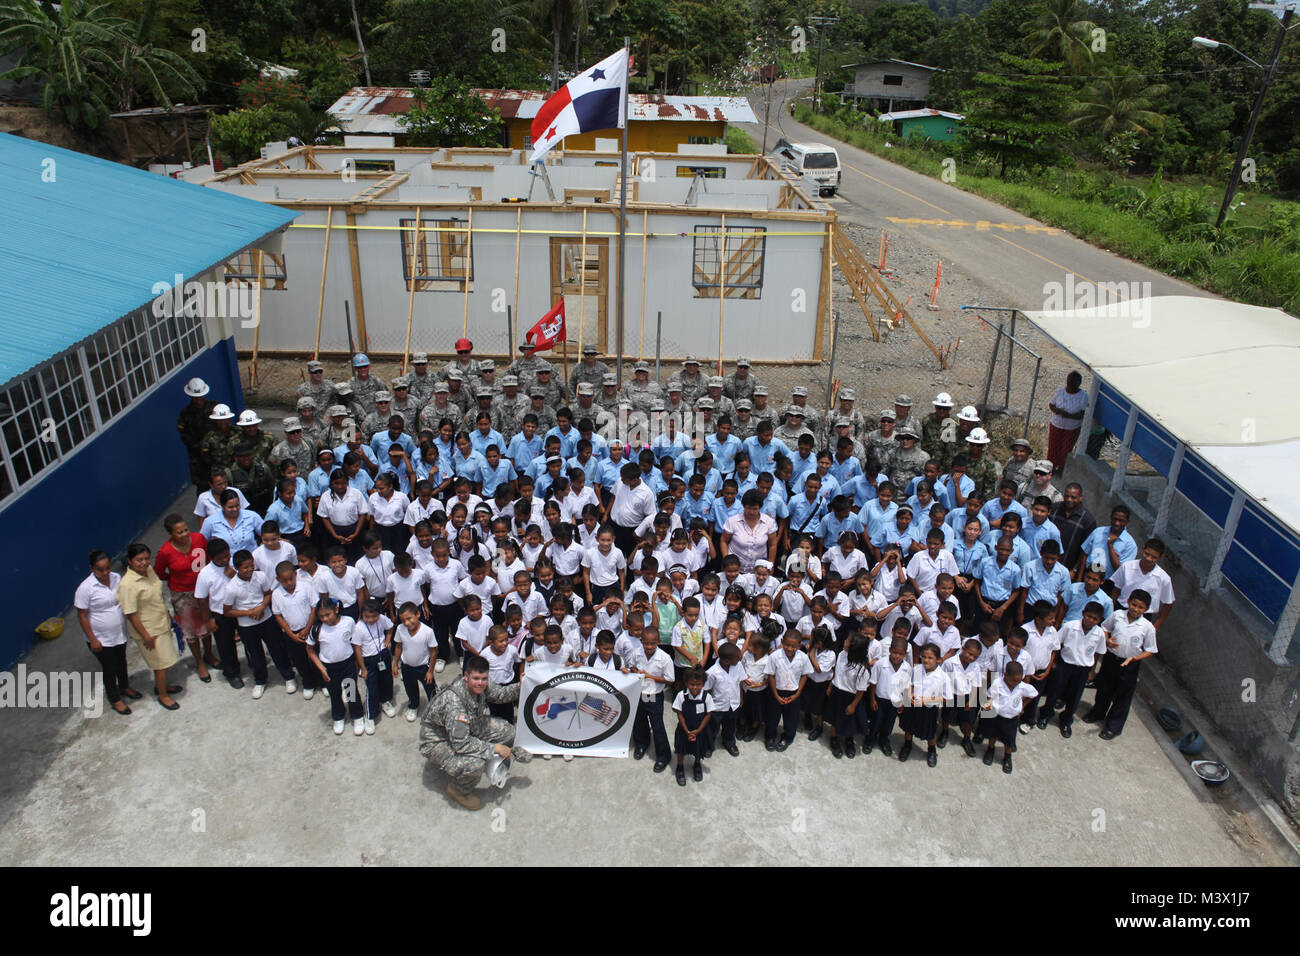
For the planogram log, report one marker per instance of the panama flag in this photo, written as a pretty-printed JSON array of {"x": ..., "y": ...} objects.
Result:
[{"x": 590, "y": 101}]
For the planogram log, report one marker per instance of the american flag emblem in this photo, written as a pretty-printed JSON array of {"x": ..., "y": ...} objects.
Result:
[{"x": 596, "y": 707}]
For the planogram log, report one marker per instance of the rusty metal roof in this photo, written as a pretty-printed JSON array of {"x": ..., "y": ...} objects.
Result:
[{"x": 524, "y": 104}]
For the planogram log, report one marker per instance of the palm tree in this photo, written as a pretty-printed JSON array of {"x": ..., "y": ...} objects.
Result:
[
  {"x": 155, "y": 66},
  {"x": 75, "y": 50},
  {"x": 566, "y": 18},
  {"x": 1060, "y": 28},
  {"x": 1119, "y": 102}
]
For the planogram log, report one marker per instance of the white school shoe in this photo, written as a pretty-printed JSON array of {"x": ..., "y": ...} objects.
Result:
[
  {"x": 308, "y": 693},
  {"x": 388, "y": 709},
  {"x": 258, "y": 691},
  {"x": 568, "y": 758},
  {"x": 370, "y": 727},
  {"x": 338, "y": 727},
  {"x": 439, "y": 667},
  {"x": 358, "y": 726},
  {"x": 411, "y": 714},
  {"x": 290, "y": 686}
]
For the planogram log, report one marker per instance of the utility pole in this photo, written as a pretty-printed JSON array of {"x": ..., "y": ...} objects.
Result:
[
  {"x": 361, "y": 44},
  {"x": 820, "y": 22}
]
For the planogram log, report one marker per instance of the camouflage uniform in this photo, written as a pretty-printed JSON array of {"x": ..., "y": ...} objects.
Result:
[
  {"x": 607, "y": 400},
  {"x": 364, "y": 392},
  {"x": 459, "y": 734},
  {"x": 218, "y": 447},
  {"x": 303, "y": 455},
  {"x": 1026, "y": 494},
  {"x": 743, "y": 430},
  {"x": 322, "y": 394},
  {"x": 723, "y": 406},
  {"x": 790, "y": 435},
  {"x": 857, "y": 423},
  {"x": 593, "y": 375},
  {"x": 467, "y": 368},
  {"x": 640, "y": 397},
  {"x": 193, "y": 424},
  {"x": 421, "y": 391},
  {"x": 410, "y": 412},
  {"x": 525, "y": 369},
  {"x": 315, "y": 433},
  {"x": 984, "y": 472},
  {"x": 738, "y": 388},
  {"x": 812, "y": 419},
  {"x": 257, "y": 484},
  {"x": 374, "y": 423},
  {"x": 693, "y": 386},
  {"x": 554, "y": 394},
  {"x": 597, "y": 415},
  {"x": 507, "y": 412},
  {"x": 462, "y": 400},
  {"x": 546, "y": 419},
  {"x": 878, "y": 450},
  {"x": 431, "y": 414},
  {"x": 1019, "y": 472},
  {"x": 902, "y": 466},
  {"x": 771, "y": 413}
]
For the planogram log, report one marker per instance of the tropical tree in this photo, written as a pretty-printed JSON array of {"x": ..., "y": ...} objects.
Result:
[
  {"x": 76, "y": 52},
  {"x": 1016, "y": 117},
  {"x": 448, "y": 113},
  {"x": 565, "y": 18},
  {"x": 155, "y": 68},
  {"x": 1061, "y": 29},
  {"x": 1119, "y": 102}
]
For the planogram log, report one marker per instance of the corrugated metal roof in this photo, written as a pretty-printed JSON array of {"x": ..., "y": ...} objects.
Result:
[
  {"x": 917, "y": 114},
  {"x": 524, "y": 104},
  {"x": 84, "y": 241}
]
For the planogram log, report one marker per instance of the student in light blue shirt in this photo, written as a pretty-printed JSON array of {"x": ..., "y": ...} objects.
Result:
[
  {"x": 762, "y": 447},
  {"x": 845, "y": 467},
  {"x": 969, "y": 551},
  {"x": 381, "y": 441},
  {"x": 900, "y": 532},
  {"x": 466, "y": 462},
  {"x": 1040, "y": 528},
  {"x": 804, "y": 461},
  {"x": 1099, "y": 548},
  {"x": 947, "y": 487},
  {"x": 238, "y": 527},
  {"x": 724, "y": 508},
  {"x": 318, "y": 482},
  {"x": 566, "y": 433},
  {"x": 484, "y": 434},
  {"x": 1021, "y": 553},
  {"x": 1005, "y": 502},
  {"x": 807, "y": 508},
  {"x": 839, "y": 519},
  {"x": 669, "y": 441},
  {"x": 879, "y": 512},
  {"x": 361, "y": 449},
  {"x": 830, "y": 484},
  {"x": 1044, "y": 578},
  {"x": 688, "y": 465},
  {"x": 497, "y": 471},
  {"x": 723, "y": 445},
  {"x": 585, "y": 459},
  {"x": 999, "y": 581},
  {"x": 526, "y": 445},
  {"x": 957, "y": 517},
  {"x": 696, "y": 503},
  {"x": 922, "y": 500},
  {"x": 1078, "y": 595},
  {"x": 289, "y": 509},
  {"x": 773, "y": 503},
  {"x": 599, "y": 446},
  {"x": 607, "y": 471},
  {"x": 358, "y": 476}
]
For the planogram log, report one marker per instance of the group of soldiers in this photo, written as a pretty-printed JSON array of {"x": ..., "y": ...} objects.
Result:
[{"x": 894, "y": 442}]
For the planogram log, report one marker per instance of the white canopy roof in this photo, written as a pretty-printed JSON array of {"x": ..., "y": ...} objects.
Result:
[{"x": 1221, "y": 377}]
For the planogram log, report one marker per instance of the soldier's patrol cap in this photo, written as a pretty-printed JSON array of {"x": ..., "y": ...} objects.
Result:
[
  {"x": 292, "y": 424},
  {"x": 744, "y": 405},
  {"x": 1023, "y": 442},
  {"x": 336, "y": 410},
  {"x": 843, "y": 423},
  {"x": 673, "y": 386},
  {"x": 343, "y": 388},
  {"x": 641, "y": 367},
  {"x": 742, "y": 362},
  {"x": 792, "y": 410},
  {"x": 760, "y": 389},
  {"x": 544, "y": 370},
  {"x": 716, "y": 381},
  {"x": 905, "y": 431},
  {"x": 536, "y": 392},
  {"x": 848, "y": 395},
  {"x": 485, "y": 391},
  {"x": 903, "y": 401},
  {"x": 383, "y": 397},
  {"x": 889, "y": 413},
  {"x": 508, "y": 380},
  {"x": 487, "y": 365},
  {"x": 419, "y": 358},
  {"x": 801, "y": 390},
  {"x": 456, "y": 374},
  {"x": 314, "y": 366},
  {"x": 306, "y": 402},
  {"x": 440, "y": 387},
  {"x": 1044, "y": 466},
  {"x": 590, "y": 349},
  {"x": 704, "y": 402},
  {"x": 609, "y": 378},
  {"x": 586, "y": 388},
  {"x": 243, "y": 448},
  {"x": 690, "y": 360},
  {"x": 400, "y": 382}
]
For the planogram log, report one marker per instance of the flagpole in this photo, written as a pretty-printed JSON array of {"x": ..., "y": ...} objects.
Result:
[{"x": 622, "y": 210}]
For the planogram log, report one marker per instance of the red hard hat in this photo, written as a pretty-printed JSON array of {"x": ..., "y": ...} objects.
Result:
[{"x": 464, "y": 345}]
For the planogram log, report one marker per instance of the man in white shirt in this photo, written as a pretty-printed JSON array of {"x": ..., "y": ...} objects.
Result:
[
  {"x": 1130, "y": 639},
  {"x": 1145, "y": 574},
  {"x": 633, "y": 503}
]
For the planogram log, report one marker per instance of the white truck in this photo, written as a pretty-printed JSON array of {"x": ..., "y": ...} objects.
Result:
[{"x": 813, "y": 162}]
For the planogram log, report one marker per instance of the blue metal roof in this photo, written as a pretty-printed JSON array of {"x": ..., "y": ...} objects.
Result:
[{"x": 84, "y": 240}]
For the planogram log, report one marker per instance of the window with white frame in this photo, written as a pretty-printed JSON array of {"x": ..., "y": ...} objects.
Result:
[
  {"x": 738, "y": 268},
  {"x": 24, "y": 424},
  {"x": 176, "y": 339},
  {"x": 121, "y": 364}
]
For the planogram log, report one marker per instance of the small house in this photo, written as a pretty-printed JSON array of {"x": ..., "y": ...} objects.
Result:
[
  {"x": 935, "y": 125},
  {"x": 888, "y": 84}
]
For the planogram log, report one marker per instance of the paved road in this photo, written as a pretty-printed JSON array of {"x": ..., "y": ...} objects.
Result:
[{"x": 1014, "y": 256}]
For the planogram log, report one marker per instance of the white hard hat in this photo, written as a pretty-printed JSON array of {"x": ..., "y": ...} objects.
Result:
[
  {"x": 969, "y": 414},
  {"x": 221, "y": 413},
  {"x": 978, "y": 436},
  {"x": 944, "y": 399},
  {"x": 196, "y": 388},
  {"x": 248, "y": 417}
]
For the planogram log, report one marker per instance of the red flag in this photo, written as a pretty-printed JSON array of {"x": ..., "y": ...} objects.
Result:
[{"x": 549, "y": 330}]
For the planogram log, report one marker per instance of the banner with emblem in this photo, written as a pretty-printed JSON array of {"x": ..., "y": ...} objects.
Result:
[{"x": 576, "y": 710}]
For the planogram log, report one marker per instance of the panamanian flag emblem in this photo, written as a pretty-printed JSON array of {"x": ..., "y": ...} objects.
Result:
[{"x": 591, "y": 101}]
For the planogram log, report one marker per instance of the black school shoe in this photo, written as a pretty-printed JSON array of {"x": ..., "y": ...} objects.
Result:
[
  {"x": 887, "y": 749},
  {"x": 867, "y": 745},
  {"x": 816, "y": 732},
  {"x": 850, "y": 750},
  {"x": 782, "y": 745},
  {"x": 1108, "y": 735},
  {"x": 943, "y": 740},
  {"x": 1091, "y": 717},
  {"x": 1066, "y": 731},
  {"x": 733, "y": 750},
  {"x": 988, "y": 757},
  {"x": 932, "y": 758},
  {"x": 638, "y": 753},
  {"x": 660, "y": 765},
  {"x": 968, "y": 747},
  {"x": 699, "y": 772},
  {"x": 681, "y": 775},
  {"x": 837, "y": 750},
  {"x": 1006, "y": 764},
  {"x": 905, "y": 751},
  {"x": 1042, "y": 723}
]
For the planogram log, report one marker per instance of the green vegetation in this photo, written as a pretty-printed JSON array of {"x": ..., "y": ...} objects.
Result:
[
  {"x": 449, "y": 114},
  {"x": 738, "y": 141}
]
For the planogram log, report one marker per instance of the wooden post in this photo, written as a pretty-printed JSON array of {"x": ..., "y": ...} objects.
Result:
[
  {"x": 645, "y": 240},
  {"x": 722, "y": 284},
  {"x": 414, "y": 259},
  {"x": 354, "y": 255},
  {"x": 257, "y": 326},
  {"x": 582, "y": 294},
  {"x": 823, "y": 292},
  {"x": 510, "y": 330},
  {"x": 324, "y": 270},
  {"x": 469, "y": 239}
]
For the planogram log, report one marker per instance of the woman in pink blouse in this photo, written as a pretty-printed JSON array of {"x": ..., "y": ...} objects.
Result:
[{"x": 750, "y": 535}]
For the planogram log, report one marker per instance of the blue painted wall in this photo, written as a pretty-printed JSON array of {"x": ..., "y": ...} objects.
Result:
[{"x": 103, "y": 497}]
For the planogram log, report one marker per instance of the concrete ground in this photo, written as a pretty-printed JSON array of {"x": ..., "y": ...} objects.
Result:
[{"x": 227, "y": 780}]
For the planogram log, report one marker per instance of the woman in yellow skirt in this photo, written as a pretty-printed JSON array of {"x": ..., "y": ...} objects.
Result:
[{"x": 149, "y": 620}]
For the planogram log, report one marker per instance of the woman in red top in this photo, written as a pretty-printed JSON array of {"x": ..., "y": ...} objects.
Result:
[{"x": 178, "y": 564}]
